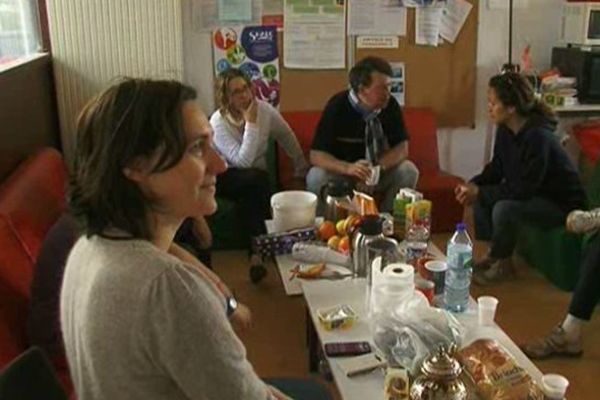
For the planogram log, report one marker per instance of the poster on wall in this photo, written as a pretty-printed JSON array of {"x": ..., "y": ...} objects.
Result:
[
  {"x": 398, "y": 82},
  {"x": 314, "y": 34},
  {"x": 252, "y": 49}
]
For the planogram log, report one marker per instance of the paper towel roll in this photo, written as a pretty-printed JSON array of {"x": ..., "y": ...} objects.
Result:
[{"x": 398, "y": 272}]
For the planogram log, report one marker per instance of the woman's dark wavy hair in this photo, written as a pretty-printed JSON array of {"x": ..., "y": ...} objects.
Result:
[
  {"x": 131, "y": 120},
  {"x": 514, "y": 89},
  {"x": 222, "y": 87}
]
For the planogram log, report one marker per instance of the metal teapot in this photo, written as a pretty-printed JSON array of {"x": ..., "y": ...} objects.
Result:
[
  {"x": 335, "y": 191},
  {"x": 439, "y": 379}
]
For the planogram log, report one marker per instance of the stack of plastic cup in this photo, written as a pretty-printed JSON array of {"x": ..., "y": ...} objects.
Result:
[
  {"x": 487, "y": 310},
  {"x": 554, "y": 386}
]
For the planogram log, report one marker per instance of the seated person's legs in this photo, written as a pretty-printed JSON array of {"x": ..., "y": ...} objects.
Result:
[
  {"x": 404, "y": 175},
  {"x": 565, "y": 339},
  {"x": 506, "y": 216},
  {"x": 250, "y": 189}
]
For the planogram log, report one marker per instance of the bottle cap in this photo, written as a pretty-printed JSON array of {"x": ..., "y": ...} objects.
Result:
[{"x": 461, "y": 226}]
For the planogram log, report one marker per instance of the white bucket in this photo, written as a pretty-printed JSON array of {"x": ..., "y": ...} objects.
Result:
[{"x": 293, "y": 209}]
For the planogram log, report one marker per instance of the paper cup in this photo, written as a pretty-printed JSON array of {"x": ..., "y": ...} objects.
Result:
[
  {"x": 436, "y": 272},
  {"x": 554, "y": 386},
  {"x": 487, "y": 310}
]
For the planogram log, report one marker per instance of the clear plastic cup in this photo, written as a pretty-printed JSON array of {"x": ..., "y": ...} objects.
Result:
[
  {"x": 487, "y": 310},
  {"x": 554, "y": 386}
]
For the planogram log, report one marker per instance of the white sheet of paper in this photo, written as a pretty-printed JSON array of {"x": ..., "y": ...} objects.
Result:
[
  {"x": 272, "y": 7},
  {"x": 314, "y": 36},
  {"x": 205, "y": 14},
  {"x": 235, "y": 11},
  {"x": 376, "y": 17},
  {"x": 453, "y": 18},
  {"x": 427, "y": 25},
  {"x": 377, "y": 42}
]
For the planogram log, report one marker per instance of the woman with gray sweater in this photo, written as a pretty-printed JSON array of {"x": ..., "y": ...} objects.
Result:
[{"x": 141, "y": 318}]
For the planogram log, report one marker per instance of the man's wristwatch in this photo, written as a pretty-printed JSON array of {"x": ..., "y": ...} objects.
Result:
[{"x": 232, "y": 305}]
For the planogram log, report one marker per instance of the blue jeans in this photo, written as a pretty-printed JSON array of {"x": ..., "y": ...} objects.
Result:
[
  {"x": 499, "y": 223},
  {"x": 404, "y": 175},
  {"x": 587, "y": 290}
]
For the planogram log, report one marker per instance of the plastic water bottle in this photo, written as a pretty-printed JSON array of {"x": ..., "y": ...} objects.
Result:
[{"x": 458, "y": 276}]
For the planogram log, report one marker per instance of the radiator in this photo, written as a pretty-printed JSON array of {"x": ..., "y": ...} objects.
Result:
[{"x": 94, "y": 42}]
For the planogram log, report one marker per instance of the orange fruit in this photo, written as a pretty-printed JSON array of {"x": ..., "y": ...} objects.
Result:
[
  {"x": 326, "y": 230},
  {"x": 333, "y": 242},
  {"x": 344, "y": 245}
]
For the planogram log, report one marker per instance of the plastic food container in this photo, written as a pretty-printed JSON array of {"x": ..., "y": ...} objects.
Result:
[
  {"x": 293, "y": 209},
  {"x": 338, "y": 317}
]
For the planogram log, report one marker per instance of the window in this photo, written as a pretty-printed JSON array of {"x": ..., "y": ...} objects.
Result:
[{"x": 19, "y": 29}]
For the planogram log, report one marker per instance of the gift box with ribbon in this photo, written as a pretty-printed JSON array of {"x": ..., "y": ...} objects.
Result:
[{"x": 272, "y": 244}]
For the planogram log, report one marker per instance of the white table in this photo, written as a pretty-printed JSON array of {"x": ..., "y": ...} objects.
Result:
[
  {"x": 321, "y": 294},
  {"x": 285, "y": 264}
]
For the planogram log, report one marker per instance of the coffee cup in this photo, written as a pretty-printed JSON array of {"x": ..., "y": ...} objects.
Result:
[{"x": 436, "y": 271}]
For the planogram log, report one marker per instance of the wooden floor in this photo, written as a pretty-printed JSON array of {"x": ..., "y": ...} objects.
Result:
[{"x": 529, "y": 307}]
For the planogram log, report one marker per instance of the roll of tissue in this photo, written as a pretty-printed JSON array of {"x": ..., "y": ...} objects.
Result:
[{"x": 390, "y": 286}]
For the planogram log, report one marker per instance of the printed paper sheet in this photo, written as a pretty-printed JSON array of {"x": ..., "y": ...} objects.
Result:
[{"x": 314, "y": 34}]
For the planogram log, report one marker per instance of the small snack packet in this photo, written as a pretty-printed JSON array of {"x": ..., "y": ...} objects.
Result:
[
  {"x": 341, "y": 316},
  {"x": 396, "y": 384}
]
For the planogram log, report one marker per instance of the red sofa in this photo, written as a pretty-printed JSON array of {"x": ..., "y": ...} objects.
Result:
[
  {"x": 31, "y": 200},
  {"x": 435, "y": 185}
]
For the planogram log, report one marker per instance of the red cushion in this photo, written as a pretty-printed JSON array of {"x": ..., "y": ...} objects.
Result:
[
  {"x": 304, "y": 124},
  {"x": 15, "y": 278},
  {"x": 33, "y": 197},
  {"x": 422, "y": 129},
  {"x": 439, "y": 188},
  {"x": 16, "y": 267}
]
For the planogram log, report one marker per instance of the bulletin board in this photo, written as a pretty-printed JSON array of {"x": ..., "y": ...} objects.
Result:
[{"x": 442, "y": 78}]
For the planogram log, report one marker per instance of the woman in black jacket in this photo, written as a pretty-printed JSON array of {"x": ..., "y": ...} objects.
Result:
[{"x": 529, "y": 179}]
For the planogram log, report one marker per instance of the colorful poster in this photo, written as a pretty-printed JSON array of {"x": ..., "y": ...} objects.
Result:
[{"x": 252, "y": 49}]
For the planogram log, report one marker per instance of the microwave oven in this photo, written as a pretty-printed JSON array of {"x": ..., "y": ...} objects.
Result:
[
  {"x": 580, "y": 24},
  {"x": 584, "y": 65}
]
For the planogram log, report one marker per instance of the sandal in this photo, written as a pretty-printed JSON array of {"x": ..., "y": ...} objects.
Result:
[{"x": 555, "y": 344}]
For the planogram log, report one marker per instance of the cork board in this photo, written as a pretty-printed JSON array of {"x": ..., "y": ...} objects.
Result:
[{"x": 442, "y": 78}]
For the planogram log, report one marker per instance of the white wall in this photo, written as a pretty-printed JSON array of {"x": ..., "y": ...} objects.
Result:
[{"x": 462, "y": 151}]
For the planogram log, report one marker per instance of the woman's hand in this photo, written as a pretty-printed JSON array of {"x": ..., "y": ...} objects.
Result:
[
  {"x": 251, "y": 113},
  {"x": 241, "y": 319},
  {"x": 466, "y": 194}
]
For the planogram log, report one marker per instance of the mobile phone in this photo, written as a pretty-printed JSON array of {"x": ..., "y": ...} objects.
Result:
[{"x": 342, "y": 349}]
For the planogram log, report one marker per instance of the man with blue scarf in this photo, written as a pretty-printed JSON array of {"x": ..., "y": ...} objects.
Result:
[{"x": 361, "y": 134}]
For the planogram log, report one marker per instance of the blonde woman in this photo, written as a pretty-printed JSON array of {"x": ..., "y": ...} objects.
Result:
[{"x": 242, "y": 127}]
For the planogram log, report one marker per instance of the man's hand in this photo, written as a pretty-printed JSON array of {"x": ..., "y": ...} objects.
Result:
[
  {"x": 251, "y": 113},
  {"x": 360, "y": 170},
  {"x": 466, "y": 194},
  {"x": 241, "y": 319}
]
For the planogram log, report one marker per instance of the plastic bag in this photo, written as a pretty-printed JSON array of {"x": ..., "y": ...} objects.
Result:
[{"x": 408, "y": 333}]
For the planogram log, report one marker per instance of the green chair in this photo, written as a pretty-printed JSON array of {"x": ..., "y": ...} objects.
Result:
[
  {"x": 224, "y": 224},
  {"x": 557, "y": 253}
]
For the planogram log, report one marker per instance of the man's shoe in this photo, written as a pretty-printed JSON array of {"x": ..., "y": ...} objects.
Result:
[
  {"x": 579, "y": 221},
  {"x": 555, "y": 344},
  {"x": 257, "y": 273},
  {"x": 501, "y": 271}
]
